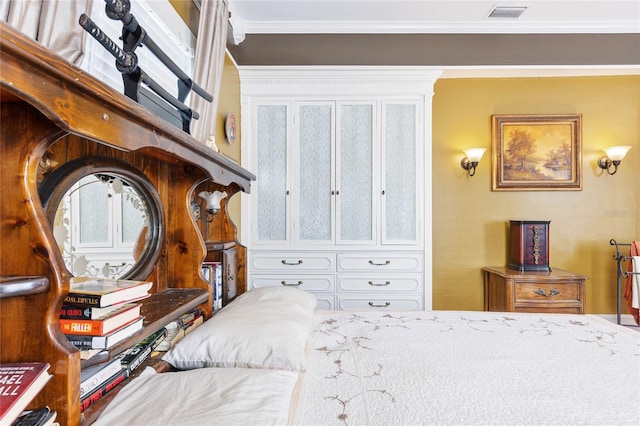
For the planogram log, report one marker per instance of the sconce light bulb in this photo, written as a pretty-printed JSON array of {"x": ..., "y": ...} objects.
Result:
[
  {"x": 616, "y": 153},
  {"x": 611, "y": 161},
  {"x": 471, "y": 159},
  {"x": 213, "y": 202},
  {"x": 474, "y": 154}
]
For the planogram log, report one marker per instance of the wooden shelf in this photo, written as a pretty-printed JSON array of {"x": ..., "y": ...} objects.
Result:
[
  {"x": 54, "y": 113},
  {"x": 158, "y": 310}
]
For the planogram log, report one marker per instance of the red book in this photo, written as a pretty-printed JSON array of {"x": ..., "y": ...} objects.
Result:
[
  {"x": 101, "y": 326},
  {"x": 19, "y": 384},
  {"x": 98, "y": 393}
]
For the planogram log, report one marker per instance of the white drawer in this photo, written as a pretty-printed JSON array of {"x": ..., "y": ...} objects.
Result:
[
  {"x": 393, "y": 303},
  {"x": 379, "y": 262},
  {"x": 292, "y": 262},
  {"x": 381, "y": 282},
  {"x": 326, "y": 302},
  {"x": 302, "y": 282}
]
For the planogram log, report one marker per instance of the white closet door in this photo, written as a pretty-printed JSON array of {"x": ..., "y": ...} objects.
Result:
[
  {"x": 272, "y": 186},
  {"x": 355, "y": 174},
  {"x": 400, "y": 160},
  {"x": 314, "y": 151}
]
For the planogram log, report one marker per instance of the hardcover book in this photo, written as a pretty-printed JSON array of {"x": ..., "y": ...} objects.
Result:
[
  {"x": 19, "y": 384},
  {"x": 101, "y": 391},
  {"x": 91, "y": 292},
  {"x": 69, "y": 311},
  {"x": 99, "y": 327},
  {"x": 133, "y": 357},
  {"x": 212, "y": 272},
  {"x": 105, "y": 342},
  {"x": 94, "y": 376}
]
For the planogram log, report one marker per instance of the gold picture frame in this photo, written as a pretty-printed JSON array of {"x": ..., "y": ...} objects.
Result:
[{"x": 536, "y": 152}]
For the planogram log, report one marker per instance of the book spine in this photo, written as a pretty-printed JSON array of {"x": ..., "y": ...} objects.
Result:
[
  {"x": 85, "y": 300},
  {"x": 75, "y": 312},
  {"x": 99, "y": 378},
  {"x": 84, "y": 342},
  {"x": 135, "y": 356},
  {"x": 101, "y": 391},
  {"x": 82, "y": 327},
  {"x": 186, "y": 319}
]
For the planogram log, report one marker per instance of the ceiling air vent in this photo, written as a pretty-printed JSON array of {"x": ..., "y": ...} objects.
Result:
[{"x": 507, "y": 12}]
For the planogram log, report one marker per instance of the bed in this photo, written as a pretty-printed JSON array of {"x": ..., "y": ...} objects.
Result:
[{"x": 269, "y": 358}]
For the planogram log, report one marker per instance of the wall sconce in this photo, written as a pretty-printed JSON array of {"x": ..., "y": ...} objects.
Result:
[
  {"x": 195, "y": 210},
  {"x": 471, "y": 159},
  {"x": 213, "y": 203},
  {"x": 614, "y": 156}
]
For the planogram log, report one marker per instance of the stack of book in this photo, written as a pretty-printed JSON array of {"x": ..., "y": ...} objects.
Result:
[
  {"x": 179, "y": 328},
  {"x": 19, "y": 384},
  {"x": 212, "y": 273},
  {"x": 96, "y": 381},
  {"x": 99, "y": 313}
]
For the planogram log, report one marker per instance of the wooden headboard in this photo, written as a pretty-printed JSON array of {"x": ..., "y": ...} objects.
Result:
[{"x": 53, "y": 113}]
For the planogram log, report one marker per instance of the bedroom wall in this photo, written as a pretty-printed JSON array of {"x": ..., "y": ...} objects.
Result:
[
  {"x": 230, "y": 102},
  {"x": 471, "y": 222}
]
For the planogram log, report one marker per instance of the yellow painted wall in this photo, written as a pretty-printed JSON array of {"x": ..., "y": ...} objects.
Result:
[
  {"x": 471, "y": 221},
  {"x": 229, "y": 102}
]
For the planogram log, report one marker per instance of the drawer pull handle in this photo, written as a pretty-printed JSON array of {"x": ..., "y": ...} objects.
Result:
[
  {"x": 384, "y": 284},
  {"x": 373, "y": 262},
  {"x": 299, "y": 262},
  {"x": 291, "y": 284},
  {"x": 552, "y": 292},
  {"x": 375, "y": 305}
]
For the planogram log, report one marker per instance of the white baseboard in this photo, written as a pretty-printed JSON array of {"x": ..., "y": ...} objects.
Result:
[{"x": 625, "y": 319}]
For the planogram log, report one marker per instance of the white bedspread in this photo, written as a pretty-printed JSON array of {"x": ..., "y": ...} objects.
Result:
[{"x": 470, "y": 368}]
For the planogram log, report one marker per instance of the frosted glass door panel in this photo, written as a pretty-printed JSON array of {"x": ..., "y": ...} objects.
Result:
[
  {"x": 315, "y": 172},
  {"x": 95, "y": 213},
  {"x": 134, "y": 216},
  {"x": 355, "y": 174},
  {"x": 272, "y": 172},
  {"x": 400, "y": 173}
]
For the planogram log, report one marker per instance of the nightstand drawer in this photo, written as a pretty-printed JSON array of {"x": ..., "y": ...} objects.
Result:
[
  {"x": 557, "y": 291},
  {"x": 549, "y": 309},
  {"x": 547, "y": 292}
]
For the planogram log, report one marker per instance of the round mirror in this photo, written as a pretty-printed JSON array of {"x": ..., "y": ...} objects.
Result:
[{"x": 106, "y": 217}]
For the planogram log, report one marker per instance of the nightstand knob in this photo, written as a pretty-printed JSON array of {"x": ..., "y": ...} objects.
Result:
[{"x": 552, "y": 292}]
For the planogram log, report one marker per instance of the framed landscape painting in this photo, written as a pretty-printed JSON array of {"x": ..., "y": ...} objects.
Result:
[{"x": 536, "y": 152}]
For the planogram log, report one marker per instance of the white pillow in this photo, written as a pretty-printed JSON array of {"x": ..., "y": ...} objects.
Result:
[
  {"x": 264, "y": 328},
  {"x": 221, "y": 396}
]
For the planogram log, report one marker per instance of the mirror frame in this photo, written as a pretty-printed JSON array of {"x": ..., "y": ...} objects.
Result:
[{"x": 56, "y": 184}]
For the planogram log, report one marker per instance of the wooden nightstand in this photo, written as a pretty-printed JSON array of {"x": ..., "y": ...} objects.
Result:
[{"x": 558, "y": 291}]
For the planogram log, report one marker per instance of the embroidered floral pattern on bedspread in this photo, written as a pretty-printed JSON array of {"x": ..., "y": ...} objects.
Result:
[{"x": 447, "y": 367}]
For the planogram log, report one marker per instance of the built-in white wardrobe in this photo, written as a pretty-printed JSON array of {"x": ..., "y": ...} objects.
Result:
[{"x": 341, "y": 206}]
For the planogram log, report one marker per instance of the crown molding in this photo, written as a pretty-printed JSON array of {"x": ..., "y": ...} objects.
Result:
[{"x": 487, "y": 26}]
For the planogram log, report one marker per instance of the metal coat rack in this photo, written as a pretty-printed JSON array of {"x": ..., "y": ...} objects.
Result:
[{"x": 622, "y": 274}]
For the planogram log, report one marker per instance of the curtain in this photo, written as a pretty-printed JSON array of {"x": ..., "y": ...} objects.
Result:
[
  {"x": 53, "y": 23},
  {"x": 208, "y": 65}
]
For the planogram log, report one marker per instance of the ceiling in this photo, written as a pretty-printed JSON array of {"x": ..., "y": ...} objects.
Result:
[
  {"x": 433, "y": 16},
  {"x": 439, "y": 33}
]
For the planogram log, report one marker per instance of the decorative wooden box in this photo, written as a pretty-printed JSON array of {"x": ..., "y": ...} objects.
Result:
[{"x": 529, "y": 245}]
